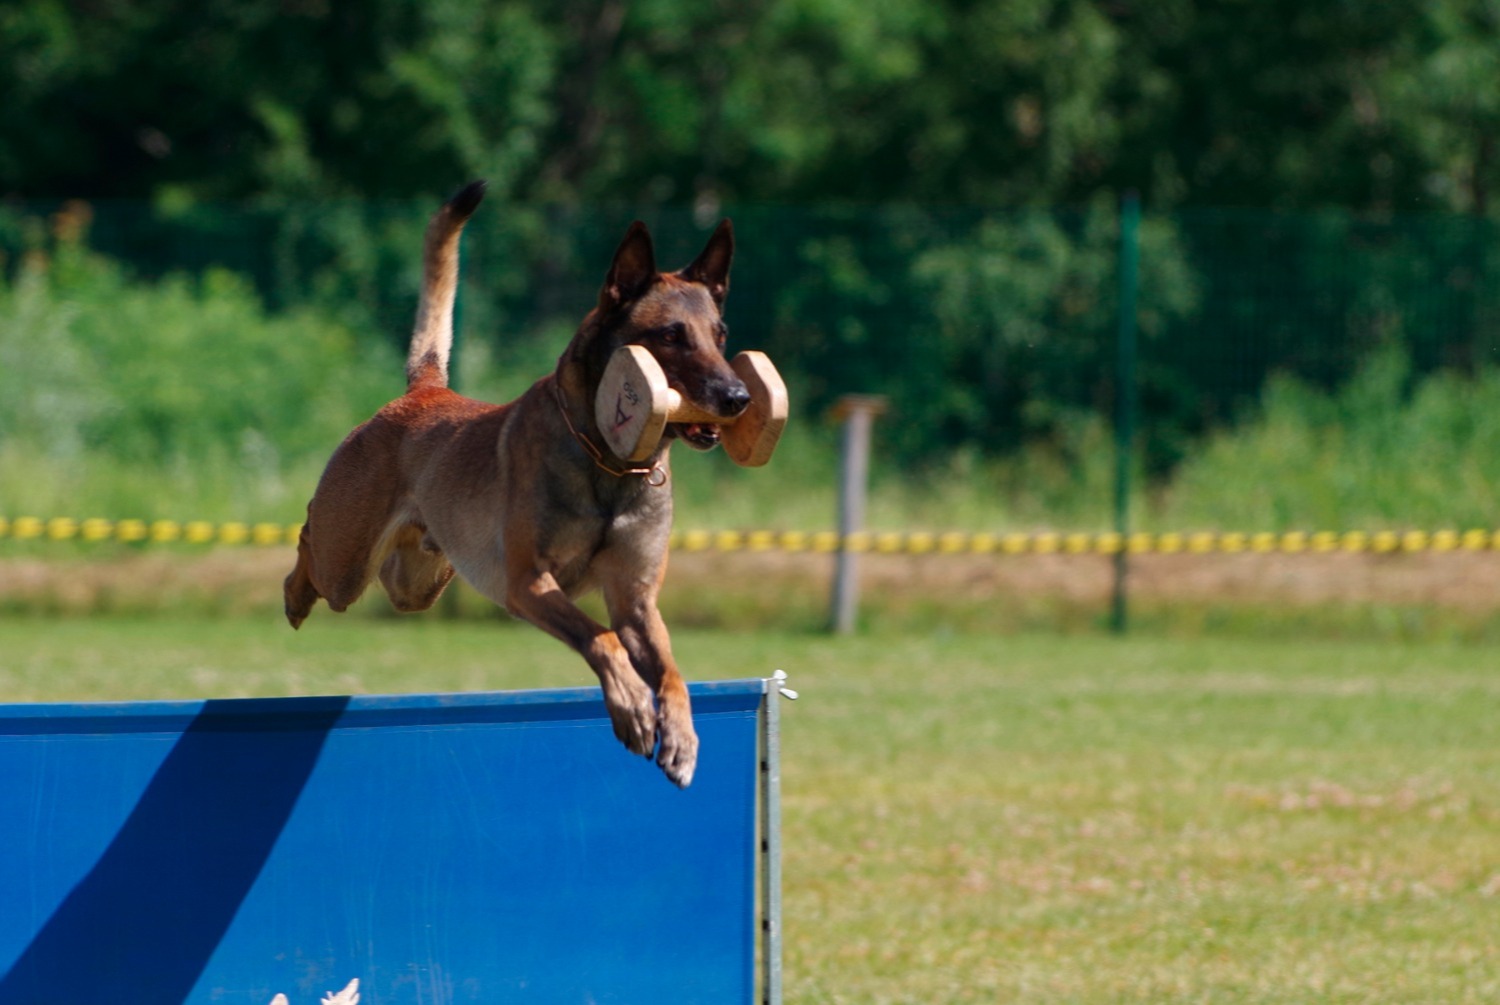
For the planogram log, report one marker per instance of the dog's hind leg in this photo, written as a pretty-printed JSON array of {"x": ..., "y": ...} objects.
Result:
[
  {"x": 349, "y": 519},
  {"x": 415, "y": 573},
  {"x": 336, "y": 568},
  {"x": 298, "y": 590}
]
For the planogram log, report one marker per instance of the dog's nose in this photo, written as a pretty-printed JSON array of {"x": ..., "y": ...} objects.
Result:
[{"x": 736, "y": 399}]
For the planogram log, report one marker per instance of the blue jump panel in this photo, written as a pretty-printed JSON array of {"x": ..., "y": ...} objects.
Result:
[{"x": 496, "y": 848}]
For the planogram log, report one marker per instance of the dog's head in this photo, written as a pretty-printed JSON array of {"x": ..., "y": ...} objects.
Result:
[{"x": 677, "y": 316}]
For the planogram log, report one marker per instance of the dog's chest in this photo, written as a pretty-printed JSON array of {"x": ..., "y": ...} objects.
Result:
[{"x": 593, "y": 520}]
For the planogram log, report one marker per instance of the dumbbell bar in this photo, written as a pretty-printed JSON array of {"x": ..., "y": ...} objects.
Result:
[{"x": 634, "y": 405}]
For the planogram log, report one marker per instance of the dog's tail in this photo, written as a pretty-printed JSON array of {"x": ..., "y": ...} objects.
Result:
[{"x": 432, "y": 339}]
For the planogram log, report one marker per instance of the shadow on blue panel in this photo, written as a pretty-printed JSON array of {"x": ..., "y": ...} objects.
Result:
[{"x": 144, "y": 922}]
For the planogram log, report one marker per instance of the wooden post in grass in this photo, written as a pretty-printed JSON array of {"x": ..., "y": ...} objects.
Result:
[{"x": 857, "y": 412}]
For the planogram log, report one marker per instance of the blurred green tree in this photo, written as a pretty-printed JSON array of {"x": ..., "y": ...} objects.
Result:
[{"x": 1383, "y": 104}]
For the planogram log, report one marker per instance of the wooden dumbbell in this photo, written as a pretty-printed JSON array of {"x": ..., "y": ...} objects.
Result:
[{"x": 634, "y": 405}]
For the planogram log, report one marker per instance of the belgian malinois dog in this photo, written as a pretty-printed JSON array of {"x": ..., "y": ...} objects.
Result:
[{"x": 524, "y": 500}]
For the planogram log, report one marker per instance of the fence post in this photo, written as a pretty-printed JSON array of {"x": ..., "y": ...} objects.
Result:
[
  {"x": 858, "y": 412},
  {"x": 1125, "y": 399}
]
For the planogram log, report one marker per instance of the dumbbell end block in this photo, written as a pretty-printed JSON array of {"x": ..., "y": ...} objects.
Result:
[
  {"x": 751, "y": 439},
  {"x": 631, "y": 404}
]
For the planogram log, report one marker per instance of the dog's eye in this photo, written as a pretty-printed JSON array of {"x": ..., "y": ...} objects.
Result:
[
  {"x": 672, "y": 334},
  {"x": 721, "y": 334}
]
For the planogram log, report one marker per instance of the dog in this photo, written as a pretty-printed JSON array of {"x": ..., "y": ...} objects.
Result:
[{"x": 524, "y": 500}]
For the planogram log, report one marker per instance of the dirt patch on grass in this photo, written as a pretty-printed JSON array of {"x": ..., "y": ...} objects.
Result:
[
  {"x": 792, "y": 588},
  {"x": 223, "y": 581},
  {"x": 1467, "y": 580}
]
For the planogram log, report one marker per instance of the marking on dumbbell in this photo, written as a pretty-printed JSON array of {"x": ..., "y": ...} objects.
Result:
[
  {"x": 621, "y": 418},
  {"x": 630, "y": 394}
]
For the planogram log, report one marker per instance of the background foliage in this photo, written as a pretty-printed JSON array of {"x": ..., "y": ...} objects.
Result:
[
  {"x": 924, "y": 193},
  {"x": 1371, "y": 104}
]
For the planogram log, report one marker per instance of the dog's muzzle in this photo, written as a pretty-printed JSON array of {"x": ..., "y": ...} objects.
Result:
[{"x": 733, "y": 399}]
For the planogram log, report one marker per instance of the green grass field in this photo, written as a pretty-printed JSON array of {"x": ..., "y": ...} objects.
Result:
[{"x": 978, "y": 818}]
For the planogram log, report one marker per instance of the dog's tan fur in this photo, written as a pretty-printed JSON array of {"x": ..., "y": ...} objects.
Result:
[{"x": 517, "y": 502}]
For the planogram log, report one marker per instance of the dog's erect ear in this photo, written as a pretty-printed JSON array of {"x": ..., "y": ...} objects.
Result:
[
  {"x": 711, "y": 268},
  {"x": 633, "y": 270}
]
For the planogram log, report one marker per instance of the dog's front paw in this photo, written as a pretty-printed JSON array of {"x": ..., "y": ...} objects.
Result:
[
  {"x": 678, "y": 756},
  {"x": 632, "y": 712}
]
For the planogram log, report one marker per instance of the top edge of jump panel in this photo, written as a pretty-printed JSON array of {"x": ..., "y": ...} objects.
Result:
[{"x": 352, "y": 712}]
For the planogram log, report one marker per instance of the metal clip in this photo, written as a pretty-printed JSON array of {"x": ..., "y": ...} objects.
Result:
[{"x": 779, "y": 679}]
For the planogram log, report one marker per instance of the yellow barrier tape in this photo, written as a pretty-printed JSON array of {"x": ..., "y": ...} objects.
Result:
[{"x": 1381, "y": 542}]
